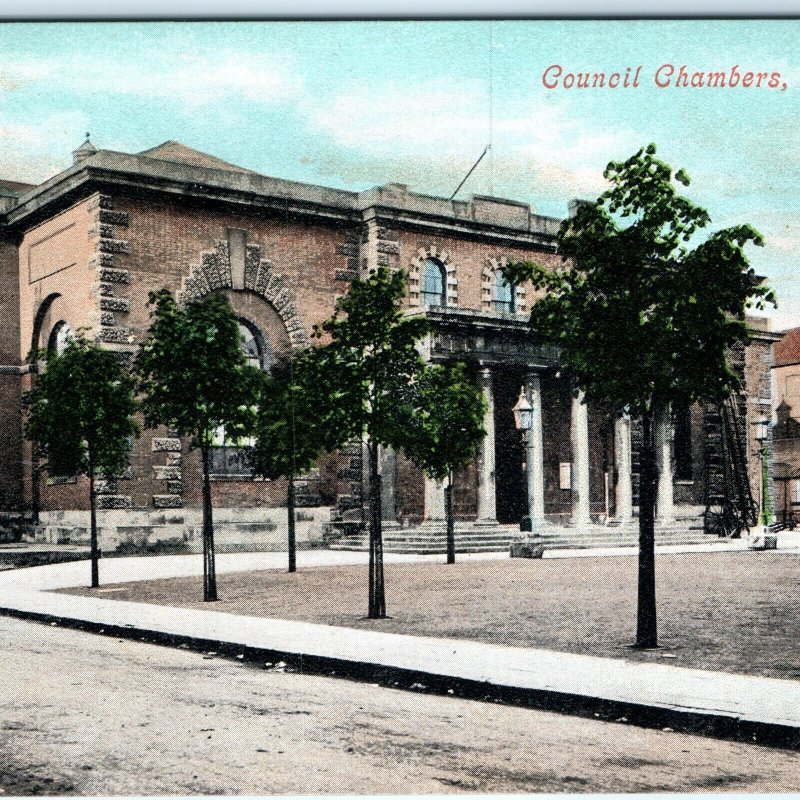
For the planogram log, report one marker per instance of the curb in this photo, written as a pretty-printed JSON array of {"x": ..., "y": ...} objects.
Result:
[{"x": 704, "y": 723}]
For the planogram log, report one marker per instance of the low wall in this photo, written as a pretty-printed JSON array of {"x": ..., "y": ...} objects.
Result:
[{"x": 181, "y": 530}]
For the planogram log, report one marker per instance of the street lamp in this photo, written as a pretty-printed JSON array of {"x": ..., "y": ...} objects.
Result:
[
  {"x": 762, "y": 435},
  {"x": 523, "y": 419}
]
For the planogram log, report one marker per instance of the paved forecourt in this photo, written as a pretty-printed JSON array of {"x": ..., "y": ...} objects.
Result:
[{"x": 761, "y": 709}]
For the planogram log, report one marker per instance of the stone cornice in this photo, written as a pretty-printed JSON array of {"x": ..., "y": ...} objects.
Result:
[
  {"x": 489, "y": 218},
  {"x": 486, "y": 339}
]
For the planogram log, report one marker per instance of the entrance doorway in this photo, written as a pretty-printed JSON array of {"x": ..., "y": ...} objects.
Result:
[{"x": 510, "y": 485}]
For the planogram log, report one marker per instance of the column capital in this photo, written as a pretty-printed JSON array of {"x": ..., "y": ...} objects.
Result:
[{"x": 533, "y": 381}]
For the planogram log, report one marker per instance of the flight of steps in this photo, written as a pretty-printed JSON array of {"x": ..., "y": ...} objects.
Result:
[{"x": 431, "y": 541}]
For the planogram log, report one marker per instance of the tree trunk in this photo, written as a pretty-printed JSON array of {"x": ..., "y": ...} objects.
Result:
[
  {"x": 377, "y": 599},
  {"x": 35, "y": 492},
  {"x": 448, "y": 513},
  {"x": 290, "y": 518},
  {"x": 95, "y": 550},
  {"x": 646, "y": 627},
  {"x": 209, "y": 568}
]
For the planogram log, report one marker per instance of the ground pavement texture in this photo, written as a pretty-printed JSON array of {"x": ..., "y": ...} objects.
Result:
[
  {"x": 100, "y": 715},
  {"x": 753, "y": 708}
]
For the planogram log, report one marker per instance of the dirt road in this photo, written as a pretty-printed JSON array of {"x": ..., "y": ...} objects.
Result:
[{"x": 88, "y": 714}]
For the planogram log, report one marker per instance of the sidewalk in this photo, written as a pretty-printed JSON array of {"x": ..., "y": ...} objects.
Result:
[{"x": 733, "y": 706}]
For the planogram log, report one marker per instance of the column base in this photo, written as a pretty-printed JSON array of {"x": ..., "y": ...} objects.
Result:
[{"x": 488, "y": 523}]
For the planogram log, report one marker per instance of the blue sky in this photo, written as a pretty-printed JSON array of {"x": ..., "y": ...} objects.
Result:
[{"x": 356, "y": 105}]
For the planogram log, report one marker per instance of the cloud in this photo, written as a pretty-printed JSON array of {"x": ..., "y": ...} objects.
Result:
[
  {"x": 429, "y": 135},
  {"x": 397, "y": 116},
  {"x": 19, "y": 74},
  {"x": 189, "y": 79},
  {"x": 35, "y": 152}
]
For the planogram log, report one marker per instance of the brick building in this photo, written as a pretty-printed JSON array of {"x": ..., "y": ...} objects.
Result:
[
  {"x": 786, "y": 380},
  {"x": 83, "y": 249}
]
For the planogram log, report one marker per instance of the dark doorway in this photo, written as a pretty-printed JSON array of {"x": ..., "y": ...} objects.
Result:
[{"x": 510, "y": 489}]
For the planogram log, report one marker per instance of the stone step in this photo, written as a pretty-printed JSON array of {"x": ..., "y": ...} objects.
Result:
[{"x": 468, "y": 541}]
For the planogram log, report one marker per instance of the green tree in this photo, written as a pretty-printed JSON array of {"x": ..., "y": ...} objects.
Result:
[
  {"x": 366, "y": 369},
  {"x": 646, "y": 312},
  {"x": 291, "y": 429},
  {"x": 193, "y": 377},
  {"x": 80, "y": 414},
  {"x": 447, "y": 413}
]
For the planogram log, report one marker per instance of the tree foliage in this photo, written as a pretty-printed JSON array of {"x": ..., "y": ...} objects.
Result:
[
  {"x": 446, "y": 412},
  {"x": 80, "y": 414},
  {"x": 293, "y": 424},
  {"x": 80, "y": 411},
  {"x": 192, "y": 373},
  {"x": 367, "y": 368},
  {"x": 194, "y": 378},
  {"x": 371, "y": 357},
  {"x": 646, "y": 312},
  {"x": 446, "y": 427}
]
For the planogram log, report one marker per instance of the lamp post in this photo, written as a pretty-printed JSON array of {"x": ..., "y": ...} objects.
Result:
[
  {"x": 523, "y": 419},
  {"x": 765, "y": 505}
]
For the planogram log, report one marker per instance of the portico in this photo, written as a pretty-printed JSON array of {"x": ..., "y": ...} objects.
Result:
[{"x": 582, "y": 456}]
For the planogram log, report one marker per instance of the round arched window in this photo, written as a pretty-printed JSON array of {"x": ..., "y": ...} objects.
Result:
[
  {"x": 60, "y": 336},
  {"x": 433, "y": 283},
  {"x": 255, "y": 346}
]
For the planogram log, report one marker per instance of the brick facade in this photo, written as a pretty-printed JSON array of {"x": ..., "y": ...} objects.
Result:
[{"x": 88, "y": 246}]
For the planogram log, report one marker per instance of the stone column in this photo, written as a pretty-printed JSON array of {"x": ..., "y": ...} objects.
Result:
[
  {"x": 487, "y": 510},
  {"x": 387, "y": 460},
  {"x": 663, "y": 445},
  {"x": 434, "y": 501},
  {"x": 623, "y": 502},
  {"x": 533, "y": 393},
  {"x": 579, "y": 430}
]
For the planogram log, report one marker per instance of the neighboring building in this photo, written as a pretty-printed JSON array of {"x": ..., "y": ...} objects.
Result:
[
  {"x": 83, "y": 249},
  {"x": 786, "y": 433}
]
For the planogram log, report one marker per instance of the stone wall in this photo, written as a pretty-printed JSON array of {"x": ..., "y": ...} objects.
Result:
[{"x": 10, "y": 381}]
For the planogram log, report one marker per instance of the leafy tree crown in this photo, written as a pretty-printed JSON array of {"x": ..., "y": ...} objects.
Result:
[
  {"x": 372, "y": 356},
  {"x": 80, "y": 412},
  {"x": 293, "y": 422},
  {"x": 192, "y": 372},
  {"x": 645, "y": 311},
  {"x": 447, "y": 411}
]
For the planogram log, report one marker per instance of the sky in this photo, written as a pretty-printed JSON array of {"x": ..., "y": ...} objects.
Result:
[{"x": 360, "y": 104}]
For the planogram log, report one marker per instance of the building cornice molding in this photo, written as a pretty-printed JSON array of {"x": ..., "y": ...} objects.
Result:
[{"x": 491, "y": 219}]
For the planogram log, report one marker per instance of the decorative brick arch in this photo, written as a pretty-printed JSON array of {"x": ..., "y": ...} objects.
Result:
[
  {"x": 488, "y": 277},
  {"x": 415, "y": 275},
  {"x": 214, "y": 272}
]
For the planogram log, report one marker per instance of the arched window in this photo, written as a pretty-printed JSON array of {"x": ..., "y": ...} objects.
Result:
[
  {"x": 60, "y": 336},
  {"x": 258, "y": 352},
  {"x": 433, "y": 283},
  {"x": 255, "y": 346},
  {"x": 504, "y": 294}
]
